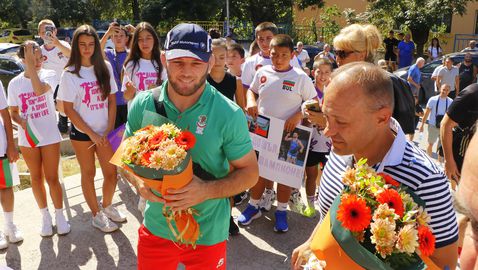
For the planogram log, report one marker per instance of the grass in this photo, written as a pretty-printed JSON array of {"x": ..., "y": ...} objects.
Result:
[{"x": 70, "y": 167}]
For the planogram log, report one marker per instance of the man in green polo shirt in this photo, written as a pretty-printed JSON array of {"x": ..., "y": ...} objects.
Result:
[{"x": 223, "y": 149}]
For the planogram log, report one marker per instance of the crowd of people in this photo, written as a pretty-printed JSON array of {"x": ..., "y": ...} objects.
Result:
[{"x": 207, "y": 84}]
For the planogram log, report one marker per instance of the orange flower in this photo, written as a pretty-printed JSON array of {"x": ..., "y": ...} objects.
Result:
[
  {"x": 186, "y": 139},
  {"x": 426, "y": 240},
  {"x": 353, "y": 213},
  {"x": 389, "y": 180},
  {"x": 145, "y": 158},
  {"x": 157, "y": 139},
  {"x": 393, "y": 199}
]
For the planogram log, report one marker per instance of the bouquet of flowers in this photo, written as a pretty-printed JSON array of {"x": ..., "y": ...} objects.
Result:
[
  {"x": 159, "y": 154},
  {"x": 375, "y": 223}
]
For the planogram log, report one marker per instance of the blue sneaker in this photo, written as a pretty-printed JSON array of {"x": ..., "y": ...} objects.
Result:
[
  {"x": 281, "y": 221},
  {"x": 249, "y": 215}
]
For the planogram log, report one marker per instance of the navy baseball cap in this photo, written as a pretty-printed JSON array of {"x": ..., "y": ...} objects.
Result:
[{"x": 188, "y": 40}]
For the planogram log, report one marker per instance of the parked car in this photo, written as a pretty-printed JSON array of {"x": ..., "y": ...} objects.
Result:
[
  {"x": 8, "y": 48},
  {"x": 428, "y": 89},
  {"x": 62, "y": 33},
  {"x": 10, "y": 66},
  {"x": 109, "y": 42},
  {"x": 15, "y": 35}
]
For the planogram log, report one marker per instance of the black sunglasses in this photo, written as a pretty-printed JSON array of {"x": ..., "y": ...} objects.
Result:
[{"x": 343, "y": 54}]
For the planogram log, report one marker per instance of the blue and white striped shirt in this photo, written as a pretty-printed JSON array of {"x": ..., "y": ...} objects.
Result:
[{"x": 410, "y": 166}]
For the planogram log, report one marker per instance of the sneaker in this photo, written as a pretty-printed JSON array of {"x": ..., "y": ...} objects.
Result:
[
  {"x": 295, "y": 202},
  {"x": 281, "y": 221},
  {"x": 267, "y": 199},
  {"x": 62, "y": 226},
  {"x": 240, "y": 198},
  {"x": 233, "y": 228},
  {"x": 63, "y": 124},
  {"x": 14, "y": 235},
  {"x": 114, "y": 214},
  {"x": 103, "y": 223},
  {"x": 249, "y": 215},
  {"x": 3, "y": 241},
  {"x": 309, "y": 212},
  {"x": 142, "y": 205},
  {"x": 46, "y": 226}
]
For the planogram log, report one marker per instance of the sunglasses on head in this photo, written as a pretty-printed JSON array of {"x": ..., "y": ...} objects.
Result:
[{"x": 343, "y": 54}]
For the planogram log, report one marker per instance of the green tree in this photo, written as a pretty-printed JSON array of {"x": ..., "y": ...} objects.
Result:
[
  {"x": 330, "y": 27},
  {"x": 420, "y": 16},
  {"x": 15, "y": 12}
]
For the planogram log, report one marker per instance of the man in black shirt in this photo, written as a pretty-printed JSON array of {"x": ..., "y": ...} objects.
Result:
[
  {"x": 460, "y": 121},
  {"x": 467, "y": 71},
  {"x": 391, "y": 44}
]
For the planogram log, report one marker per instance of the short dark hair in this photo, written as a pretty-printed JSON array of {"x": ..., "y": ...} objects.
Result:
[
  {"x": 238, "y": 48},
  {"x": 266, "y": 26},
  {"x": 214, "y": 33},
  {"x": 21, "y": 49},
  {"x": 282, "y": 40}
]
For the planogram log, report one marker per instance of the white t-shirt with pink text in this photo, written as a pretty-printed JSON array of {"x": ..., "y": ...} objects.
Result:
[
  {"x": 144, "y": 76},
  {"x": 3, "y": 137},
  {"x": 40, "y": 110},
  {"x": 85, "y": 94}
]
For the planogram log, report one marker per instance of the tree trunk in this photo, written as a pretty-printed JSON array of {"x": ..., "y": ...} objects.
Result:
[
  {"x": 420, "y": 37},
  {"x": 135, "y": 6}
]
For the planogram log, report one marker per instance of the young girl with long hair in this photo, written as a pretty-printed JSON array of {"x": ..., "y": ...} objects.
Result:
[
  {"x": 435, "y": 51},
  {"x": 30, "y": 97},
  {"x": 142, "y": 69},
  {"x": 88, "y": 89}
]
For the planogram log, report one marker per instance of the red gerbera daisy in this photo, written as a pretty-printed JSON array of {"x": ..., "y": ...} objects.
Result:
[
  {"x": 157, "y": 139},
  {"x": 393, "y": 199},
  {"x": 426, "y": 240},
  {"x": 186, "y": 139},
  {"x": 353, "y": 213},
  {"x": 145, "y": 158},
  {"x": 389, "y": 180}
]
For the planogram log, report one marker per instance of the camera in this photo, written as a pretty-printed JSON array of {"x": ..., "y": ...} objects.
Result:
[{"x": 48, "y": 33}]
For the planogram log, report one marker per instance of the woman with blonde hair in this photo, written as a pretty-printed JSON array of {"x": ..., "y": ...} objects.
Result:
[{"x": 359, "y": 42}]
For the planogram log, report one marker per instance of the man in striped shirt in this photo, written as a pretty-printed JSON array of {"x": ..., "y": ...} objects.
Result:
[{"x": 358, "y": 106}]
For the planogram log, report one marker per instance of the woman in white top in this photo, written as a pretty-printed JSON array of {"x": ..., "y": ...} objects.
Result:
[
  {"x": 30, "y": 97},
  {"x": 435, "y": 51},
  {"x": 7, "y": 151},
  {"x": 142, "y": 69},
  {"x": 87, "y": 88}
]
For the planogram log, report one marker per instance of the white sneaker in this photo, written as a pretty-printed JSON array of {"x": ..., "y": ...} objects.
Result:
[
  {"x": 267, "y": 199},
  {"x": 62, "y": 226},
  {"x": 142, "y": 205},
  {"x": 3, "y": 241},
  {"x": 103, "y": 223},
  {"x": 295, "y": 202},
  {"x": 14, "y": 234},
  {"x": 114, "y": 214},
  {"x": 46, "y": 226}
]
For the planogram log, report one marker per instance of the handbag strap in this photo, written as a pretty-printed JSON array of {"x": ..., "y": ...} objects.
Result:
[
  {"x": 438, "y": 103},
  {"x": 161, "y": 110}
]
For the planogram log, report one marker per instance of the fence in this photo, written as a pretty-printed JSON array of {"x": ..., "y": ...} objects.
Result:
[{"x": 462, "y": 40}]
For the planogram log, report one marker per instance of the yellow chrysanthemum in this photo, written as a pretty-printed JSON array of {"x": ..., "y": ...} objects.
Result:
[
  {"x": 349, "y": 177},
  {"x": 383, "y": 236},
  {"x": 385, "y": 212},
  {"x": 423, "y": 218},
  {"x": 407, "y": 239}
]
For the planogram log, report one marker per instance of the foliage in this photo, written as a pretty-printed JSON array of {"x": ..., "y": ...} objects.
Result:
[
  {"x": 15, "y": 12},
  {"x": 303, "y": 4},
  {"x": 330, "y": 26}
]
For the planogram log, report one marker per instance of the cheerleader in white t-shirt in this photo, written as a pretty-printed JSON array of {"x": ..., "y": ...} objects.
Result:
[
  {"x": 7, "y": 151},
  {"x": 87, "y": 88},
  {"x": 30, "y": 97},
  {"x": 142, "y": 69}
]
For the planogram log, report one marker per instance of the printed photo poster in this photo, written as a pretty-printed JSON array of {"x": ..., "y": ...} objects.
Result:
[{"x": 282, "y": 155}]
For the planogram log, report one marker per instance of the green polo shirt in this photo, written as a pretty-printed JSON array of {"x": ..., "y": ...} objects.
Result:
[{"x": 221, "y": 134}]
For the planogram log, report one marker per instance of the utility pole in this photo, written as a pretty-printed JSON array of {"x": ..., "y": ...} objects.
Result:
[{"x": 227, "y": 17}]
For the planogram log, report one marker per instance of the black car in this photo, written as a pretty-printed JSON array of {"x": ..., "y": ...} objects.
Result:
[
  {"x": 10, "y": 66},
  {"x": 428, "y": 89}
]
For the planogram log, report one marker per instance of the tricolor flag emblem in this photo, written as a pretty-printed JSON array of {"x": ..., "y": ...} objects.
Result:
[
  {"x": 289, "y": 83},
  {"x": 8, "y": 174},
  {"x": 32, "y": 134}
]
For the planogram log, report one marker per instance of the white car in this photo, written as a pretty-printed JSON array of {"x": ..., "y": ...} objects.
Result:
[{"x": 9, "y": 48}]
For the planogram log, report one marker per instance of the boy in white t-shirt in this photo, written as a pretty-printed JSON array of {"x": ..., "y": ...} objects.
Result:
[
  {"x": 281, "y": 89},
  {"x": 55, "y": 56},
  {"x": 264, "y": 33},
  {"x": 7, "y": 151}
]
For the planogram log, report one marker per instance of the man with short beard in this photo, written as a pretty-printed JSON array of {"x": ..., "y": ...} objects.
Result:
[{"x": 225, "y": 163}]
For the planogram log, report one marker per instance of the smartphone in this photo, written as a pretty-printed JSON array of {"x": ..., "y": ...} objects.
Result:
[
  {"x": 313, "y": 105},
  {"x": 48, "y": 33}
]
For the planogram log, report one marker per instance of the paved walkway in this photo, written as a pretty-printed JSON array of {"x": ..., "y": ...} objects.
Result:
[{"x": 257, "y": 247}]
